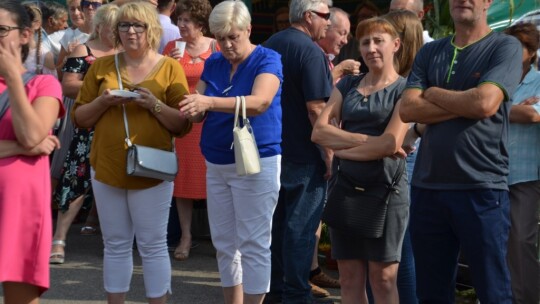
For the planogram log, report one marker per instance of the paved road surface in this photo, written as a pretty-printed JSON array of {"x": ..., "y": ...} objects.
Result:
[{"x": 79, "y": 279}]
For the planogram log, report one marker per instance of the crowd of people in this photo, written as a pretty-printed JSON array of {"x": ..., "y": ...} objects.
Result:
[{"x": 337, "y": 103}]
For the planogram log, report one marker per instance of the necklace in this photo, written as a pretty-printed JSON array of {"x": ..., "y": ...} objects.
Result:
[
  {"x": 366, "y": 96},
  {"x": 372, "y": 86}
]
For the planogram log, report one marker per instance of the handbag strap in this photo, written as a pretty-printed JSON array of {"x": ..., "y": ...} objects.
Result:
[
  {"x": 236, "y": 111},
  {"x": 398, "y": 174},
  {"x": 240, "y": 102},
  {"x": 395, "y": 179},
  {"x": 126, "y": 126},
  {"x": 4, "y": 97}
]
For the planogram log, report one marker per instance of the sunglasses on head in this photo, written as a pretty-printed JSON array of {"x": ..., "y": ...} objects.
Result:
[
  {"x": 325, "y": 16},
  {"x": 87, "y": 4}
]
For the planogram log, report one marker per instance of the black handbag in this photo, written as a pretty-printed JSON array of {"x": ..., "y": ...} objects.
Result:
[{"x": 359, "y": 208}]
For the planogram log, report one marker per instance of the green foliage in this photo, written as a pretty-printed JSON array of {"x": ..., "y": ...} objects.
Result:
[
  {"x": 437, "y": 19},
  {"x": 325, "y": 235}
]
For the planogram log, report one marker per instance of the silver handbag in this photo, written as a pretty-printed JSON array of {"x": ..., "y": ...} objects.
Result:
[
  {"x": 151, "y": 162},
  {"x": 147, "y": 161},
  {"x": 246, "y": 153}
]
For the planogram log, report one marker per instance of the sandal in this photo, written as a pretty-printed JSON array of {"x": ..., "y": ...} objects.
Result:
[
  {"x": 89, "y": 230},
  {"x": 58, "y": 257},
  {"x": 181, "y": 255}
]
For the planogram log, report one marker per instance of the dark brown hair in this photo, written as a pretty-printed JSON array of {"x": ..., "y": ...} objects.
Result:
[
  {"x": 20, "y": 17},
  {"x": 528, "y": 35},
  {"x": 199, "y": 11}
]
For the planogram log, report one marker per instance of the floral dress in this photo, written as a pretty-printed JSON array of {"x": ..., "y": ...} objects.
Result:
[{"x": 75, "y": 173}]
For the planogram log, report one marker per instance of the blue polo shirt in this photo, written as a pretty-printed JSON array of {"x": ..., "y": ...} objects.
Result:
[
  {"x": 307, "y": 77},
  {"x": 463, "y": 153},
  {"x": 216, "y": 137}
]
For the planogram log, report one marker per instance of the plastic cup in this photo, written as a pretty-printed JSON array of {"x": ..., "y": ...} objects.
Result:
[{"x": 181, "y": 46}]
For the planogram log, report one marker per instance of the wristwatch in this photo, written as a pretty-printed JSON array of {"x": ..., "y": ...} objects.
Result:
[{"x": 157, "y": 107}]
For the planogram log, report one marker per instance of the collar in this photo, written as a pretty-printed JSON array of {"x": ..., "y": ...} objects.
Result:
[{"x": 531, "y": 76}]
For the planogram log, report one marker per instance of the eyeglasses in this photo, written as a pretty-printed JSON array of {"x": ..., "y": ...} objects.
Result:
[
  {"x": 87, "y": 4},
  {"x": 325, "y": 16},
  {"x": 5, "y": 29},
  {"x": 137, "y": 26}
]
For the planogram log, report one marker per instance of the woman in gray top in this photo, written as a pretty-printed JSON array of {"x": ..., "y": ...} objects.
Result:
[{"x": 362, "y": 127}]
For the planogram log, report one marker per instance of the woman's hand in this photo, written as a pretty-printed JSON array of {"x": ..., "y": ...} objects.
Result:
[
  {"x": 530, "y": 101},
  {"x": 147, "y": 99},
  {"x": 175, "y": 53},
  {"x": 9, "y": 55},
  {"x": 107, "y": 99},
  {"x": 195, "y": 105},
  {"x": 45, "y": 147}
]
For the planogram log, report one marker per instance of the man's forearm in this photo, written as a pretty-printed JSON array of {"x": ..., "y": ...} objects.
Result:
[
  {"x": 416, "y": 108},
  {"x": 475, "y": 103}
]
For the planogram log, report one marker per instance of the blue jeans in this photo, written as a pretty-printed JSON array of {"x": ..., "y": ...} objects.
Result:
[
  {"x": 296, "y": 218},
  {"x": 476, "y": 222}
]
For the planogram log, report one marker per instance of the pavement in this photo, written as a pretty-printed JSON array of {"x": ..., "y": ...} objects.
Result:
[{"x": 79, "y": 279}]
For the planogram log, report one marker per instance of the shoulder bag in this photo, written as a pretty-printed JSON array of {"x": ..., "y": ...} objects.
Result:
[
  {"x": 4, "y": 97},
  {"x": 147, "y": 161},
  {"x": 359, "y": 208},
  {"x": 246, "y": 153}
]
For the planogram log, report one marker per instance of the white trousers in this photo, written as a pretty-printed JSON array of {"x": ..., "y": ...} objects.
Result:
[
  {"x": 240, "y": 210},
  {"x": 124, "y": 214}
]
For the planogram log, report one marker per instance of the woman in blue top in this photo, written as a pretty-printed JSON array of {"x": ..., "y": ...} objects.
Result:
[{"x": 240, "y": 208}]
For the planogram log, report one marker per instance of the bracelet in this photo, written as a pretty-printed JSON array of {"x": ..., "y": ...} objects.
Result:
[{"x": 415, "y": 129}]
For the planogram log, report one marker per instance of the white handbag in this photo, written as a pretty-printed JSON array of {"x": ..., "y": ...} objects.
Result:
[{"x": 246, "y": 153}]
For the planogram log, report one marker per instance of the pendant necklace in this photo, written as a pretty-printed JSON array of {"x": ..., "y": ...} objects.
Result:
[{"x": 366, "y": 96}]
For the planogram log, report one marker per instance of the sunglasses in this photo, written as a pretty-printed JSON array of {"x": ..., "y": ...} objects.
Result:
[
  {"x": 325, "y": 16},
  {"x": 137, "y": 26},
  {"x": 87, "y": 4},
  {"x": 5, "y": 29}
]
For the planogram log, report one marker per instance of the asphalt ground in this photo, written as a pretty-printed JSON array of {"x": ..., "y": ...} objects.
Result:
[{"x": 79, "y": 279}]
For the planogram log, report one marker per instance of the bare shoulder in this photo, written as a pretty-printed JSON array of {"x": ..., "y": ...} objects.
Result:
[{"x": 79, "y": 51}]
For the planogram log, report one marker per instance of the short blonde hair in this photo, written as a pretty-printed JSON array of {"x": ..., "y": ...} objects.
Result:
[
  {"x": 144, "y": 12},
  {"x": 105, "y": 16},
  {"x": 229, "y": 14}
]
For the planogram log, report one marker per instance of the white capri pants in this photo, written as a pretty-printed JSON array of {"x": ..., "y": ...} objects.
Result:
[
  {"x": 240, "y": 210},
  {"x": 143, "y": 213}
]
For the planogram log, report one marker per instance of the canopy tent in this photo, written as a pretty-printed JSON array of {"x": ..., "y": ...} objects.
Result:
[{"x": 504, "y": 13}]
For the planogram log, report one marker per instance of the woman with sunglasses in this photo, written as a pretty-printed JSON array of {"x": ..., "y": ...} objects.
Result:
[
  {"x": 25, "y": 143},
  {"x": 71, "y": 38},
  {"x": 131, "y": 206},
  {"x": 81, "y": 13},
  {"x": 74, "y": 185}
]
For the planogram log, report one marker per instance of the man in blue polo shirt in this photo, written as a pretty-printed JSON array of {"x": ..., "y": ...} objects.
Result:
[
  {"x": 307, "y": 84},
  {"x": 459, "y": 90}
]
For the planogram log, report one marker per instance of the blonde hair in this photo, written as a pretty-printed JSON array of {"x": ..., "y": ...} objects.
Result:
[
  {"x": 229, "y": 14},
  {"x": 105, "y": 16},
  {"x": 144, "y": 12}
]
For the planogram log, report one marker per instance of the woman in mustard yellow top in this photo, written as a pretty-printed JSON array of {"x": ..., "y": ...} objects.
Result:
[{"x": 131, "y": 206}]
